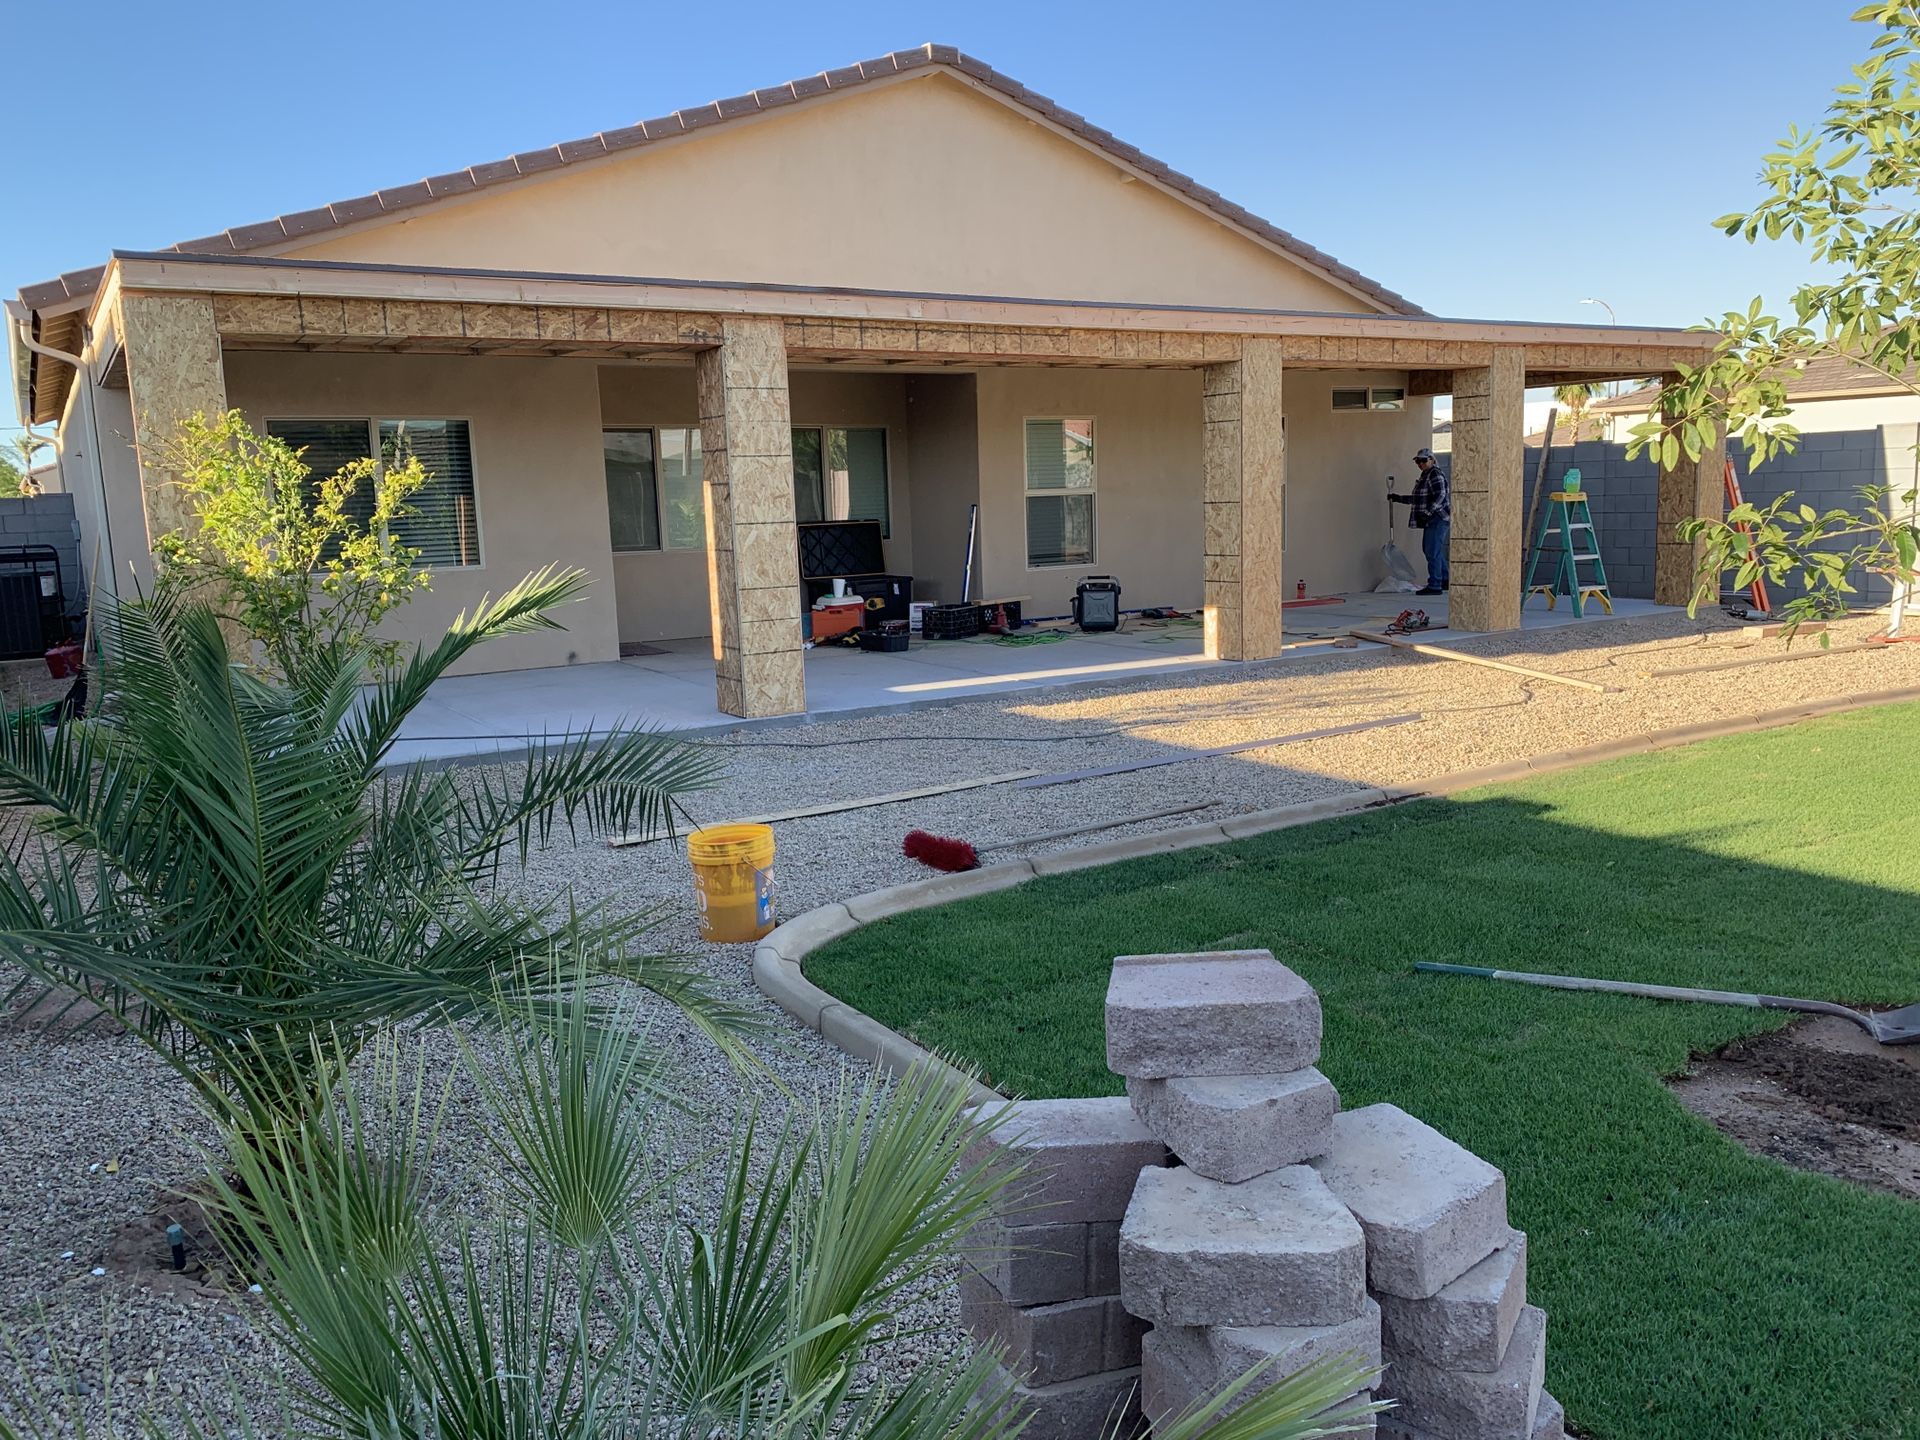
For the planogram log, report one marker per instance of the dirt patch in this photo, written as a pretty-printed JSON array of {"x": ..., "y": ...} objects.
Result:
[
  {"x": 142, "y": 1253},
  {"x": 1820, "y": 1096}
]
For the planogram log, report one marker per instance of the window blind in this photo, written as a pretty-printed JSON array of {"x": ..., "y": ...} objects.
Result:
[
  {"x": 324, "y": 447},
  {"x": 444, "y": 528},
  {"x": 1060, "y": 484},
  {"x": 633, "y": 515}
]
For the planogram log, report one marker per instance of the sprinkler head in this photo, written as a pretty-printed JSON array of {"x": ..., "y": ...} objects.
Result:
[{"x": 177, "y": 1245}]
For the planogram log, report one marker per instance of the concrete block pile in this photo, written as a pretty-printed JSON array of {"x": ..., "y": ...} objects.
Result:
[
  {"x": 1042, "y": 1276},
  {"x": 1229, "y": 1204}
]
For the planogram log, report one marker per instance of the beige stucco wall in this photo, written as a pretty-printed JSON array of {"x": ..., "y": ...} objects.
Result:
[
  {"x": 662, "y": 594},
  {"x": 539, "y": 486},
  {"x": 916, "y": 184},
  {"x": 1148, "y": 518},
  {"x": 1337, "y": 468},
  {"x": 945, "y": 435}
]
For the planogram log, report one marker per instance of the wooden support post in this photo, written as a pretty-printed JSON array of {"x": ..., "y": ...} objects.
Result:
[
  {"x": 1489, "y": 465},
  {"x": 1691, "y": 488},
  {"x": 174, "y": 372},
  {"x": 1246, "y": 466},
  {"x": 753, "y": 561}
]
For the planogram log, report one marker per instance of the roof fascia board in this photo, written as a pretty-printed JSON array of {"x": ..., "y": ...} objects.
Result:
[{"x": 252, "y": 274}]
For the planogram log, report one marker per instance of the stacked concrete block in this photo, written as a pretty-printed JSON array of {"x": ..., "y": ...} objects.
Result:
[
  {"x": 1042, "y": 1280},
  {"x": 1465, "y": 1355},
  {"x": 1241, "y": 1256},
  {"x": 1289, "y": 1232}
]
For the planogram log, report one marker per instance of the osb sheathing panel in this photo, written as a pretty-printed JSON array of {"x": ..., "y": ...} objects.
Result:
[
  {"x": 173, "y": 373},
  {"x": 1691, "y": 488},
  {"x": 1488, "y": 461},
  {"x": 1244, "y": 458}
]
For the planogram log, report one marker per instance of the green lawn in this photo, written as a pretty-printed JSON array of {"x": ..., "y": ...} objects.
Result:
[{"x": 1694, "y": 1290}]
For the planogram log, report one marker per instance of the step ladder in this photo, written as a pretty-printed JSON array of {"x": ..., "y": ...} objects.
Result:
[{"x": 1568, "y": 519}]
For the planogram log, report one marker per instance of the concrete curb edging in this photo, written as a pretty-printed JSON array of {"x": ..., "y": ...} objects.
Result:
[{"x": 776, "y": 959}]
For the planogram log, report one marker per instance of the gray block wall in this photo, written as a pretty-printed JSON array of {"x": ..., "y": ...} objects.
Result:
[
  {"x": 1826, "y": 472},
  {"x": 48, "y": 520}
]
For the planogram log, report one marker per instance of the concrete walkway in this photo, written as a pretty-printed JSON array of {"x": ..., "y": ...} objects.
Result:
[{"x": 470, "y": 715}]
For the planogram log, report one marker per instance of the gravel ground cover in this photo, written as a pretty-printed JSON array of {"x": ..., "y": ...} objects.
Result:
[{"x": 91, "y": 1128}]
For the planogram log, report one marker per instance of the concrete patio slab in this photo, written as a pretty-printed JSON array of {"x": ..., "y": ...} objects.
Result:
[{"x": 672, "y": 687}]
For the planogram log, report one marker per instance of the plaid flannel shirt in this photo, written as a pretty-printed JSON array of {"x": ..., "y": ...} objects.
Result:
[{"x": 1432, "y": 498}]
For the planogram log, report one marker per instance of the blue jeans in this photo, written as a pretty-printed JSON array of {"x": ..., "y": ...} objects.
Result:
[{"x": 1433, "y": 543}]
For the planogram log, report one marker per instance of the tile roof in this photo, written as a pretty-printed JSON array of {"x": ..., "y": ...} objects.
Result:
[{"x": 305, "y": 223}]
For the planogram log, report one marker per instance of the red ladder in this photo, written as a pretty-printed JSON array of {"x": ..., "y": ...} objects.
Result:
[{"x": 1734, "y": 497}]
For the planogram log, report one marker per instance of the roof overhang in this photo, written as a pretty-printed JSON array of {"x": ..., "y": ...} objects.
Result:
[{"x": 1567, "y": 350}]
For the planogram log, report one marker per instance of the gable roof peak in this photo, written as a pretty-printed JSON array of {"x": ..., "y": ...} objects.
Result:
[{"x": 303, "y": 224}]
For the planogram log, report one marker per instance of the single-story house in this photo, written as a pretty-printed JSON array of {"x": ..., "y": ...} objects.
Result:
[
  {"x": 1825, "y": 395},
  {"x": 889, "y": 292}
]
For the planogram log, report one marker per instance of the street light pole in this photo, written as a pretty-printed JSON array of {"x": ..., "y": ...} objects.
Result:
[{"x": 1613, "y": 386}]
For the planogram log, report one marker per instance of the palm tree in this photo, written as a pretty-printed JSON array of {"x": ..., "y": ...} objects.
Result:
[
  {"x": 567, "y": 1316},
  {"x": 222, "y": 861},
  {"x": 1576, "y": 398}
]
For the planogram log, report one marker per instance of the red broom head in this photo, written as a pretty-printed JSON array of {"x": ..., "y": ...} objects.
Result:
[{"x": 939, "y": 852}]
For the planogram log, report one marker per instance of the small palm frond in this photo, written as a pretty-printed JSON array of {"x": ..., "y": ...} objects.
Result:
[
  {"x": 572, "y": 1121},
  {"x": 890, "y": 1201},
  {"x": 372, "y": 730},
  {"x": 713, "y": 1313},
  {"x": 1304, "y": 1406}
]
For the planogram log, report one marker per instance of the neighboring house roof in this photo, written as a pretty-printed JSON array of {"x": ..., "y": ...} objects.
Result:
[
  {"x": 1828, "y": 377},
  {"x": 306, "y": 224}
]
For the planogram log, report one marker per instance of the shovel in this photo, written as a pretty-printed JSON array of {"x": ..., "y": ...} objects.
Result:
[
  {"x": 1889, "y": 1027},
  {"x": 1397, "y": 564}
]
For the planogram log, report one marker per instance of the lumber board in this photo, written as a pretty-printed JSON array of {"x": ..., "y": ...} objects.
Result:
[
  {"x": 621, "y": 841},
  {"x": 1441, "y": 653}
]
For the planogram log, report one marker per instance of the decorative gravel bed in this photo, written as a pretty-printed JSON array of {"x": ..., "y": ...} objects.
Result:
[{"x": 93, "y": 1127}]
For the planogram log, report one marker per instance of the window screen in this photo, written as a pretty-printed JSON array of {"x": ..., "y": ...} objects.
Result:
[
  {"x": 1349, "y": 399},
  {"x": 1060, "y": 486},
  {"x": 633, "y": 514}
]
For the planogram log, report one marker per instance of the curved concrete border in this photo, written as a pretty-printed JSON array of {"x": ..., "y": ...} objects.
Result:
[{"x": 776, "y": 960}]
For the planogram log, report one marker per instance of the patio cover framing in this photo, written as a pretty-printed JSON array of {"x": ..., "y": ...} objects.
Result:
[{"x": 160, "y": 322}]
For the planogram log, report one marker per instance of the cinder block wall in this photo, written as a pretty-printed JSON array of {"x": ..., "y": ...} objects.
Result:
[
  {"x": 1826, "y": 471},
  {"x": 48, "y": 520}
]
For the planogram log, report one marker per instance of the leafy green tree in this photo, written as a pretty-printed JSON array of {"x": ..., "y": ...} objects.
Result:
[
  {"x": 1575, "y": 399},
  {"x": 220, "y": 859},
  {"x": 1849, "y": 191},
  {"x": 17, "y": 466},
  {"x": 292, "y": 559}
]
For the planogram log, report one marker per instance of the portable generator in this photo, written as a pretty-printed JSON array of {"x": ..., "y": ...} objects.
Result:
[{"x": 1096, "y": 603}]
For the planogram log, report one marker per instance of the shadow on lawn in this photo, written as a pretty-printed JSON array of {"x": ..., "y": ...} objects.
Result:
[{"x": 1694, "y": 1288}]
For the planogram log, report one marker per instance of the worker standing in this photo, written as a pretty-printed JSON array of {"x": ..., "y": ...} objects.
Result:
[{"x": 1432, "y": 515}]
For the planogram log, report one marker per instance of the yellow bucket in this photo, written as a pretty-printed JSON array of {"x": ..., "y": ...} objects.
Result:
[{"x": 733, "y": 881}]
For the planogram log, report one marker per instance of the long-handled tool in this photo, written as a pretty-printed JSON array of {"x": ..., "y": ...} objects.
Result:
[
  {"x": 1889, "y": 1027},
  {"x": 1398, "y": 566}
]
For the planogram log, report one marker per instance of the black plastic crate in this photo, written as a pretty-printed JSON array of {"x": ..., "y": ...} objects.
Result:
[
  {"x": 885, "y": 642},
  {"x": 952, "y": 622}
]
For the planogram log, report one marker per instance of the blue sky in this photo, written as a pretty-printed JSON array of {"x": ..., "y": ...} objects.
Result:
[{"x": 1488, "y": 159}]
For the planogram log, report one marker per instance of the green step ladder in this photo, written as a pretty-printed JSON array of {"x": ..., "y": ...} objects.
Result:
[{"x": 1569, "y": 520}]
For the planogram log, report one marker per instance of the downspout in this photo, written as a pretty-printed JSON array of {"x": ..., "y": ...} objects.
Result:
[{"x": 22, "y": 327}]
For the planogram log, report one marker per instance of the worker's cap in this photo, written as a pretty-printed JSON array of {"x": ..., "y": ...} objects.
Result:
[{"x": 1423, "y": 453}]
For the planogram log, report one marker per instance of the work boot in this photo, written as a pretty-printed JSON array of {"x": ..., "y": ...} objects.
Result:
[{"x": 1431, "y": 590}]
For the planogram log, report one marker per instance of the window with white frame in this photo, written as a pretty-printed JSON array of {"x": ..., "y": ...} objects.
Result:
[
  {"x": 445, "y": 524},
  {"x": 840, "y": 473},
  {"x": 1377, "y": 397},
  {"x": 653, "y": 488},
  {"x": 1060, "y": 492}
]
